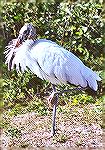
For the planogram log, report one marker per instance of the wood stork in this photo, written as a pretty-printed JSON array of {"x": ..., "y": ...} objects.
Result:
[{"x": 49, "y": 61}]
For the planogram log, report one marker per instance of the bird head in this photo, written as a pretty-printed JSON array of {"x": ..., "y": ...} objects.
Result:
[{"x": 26, "y": 32}]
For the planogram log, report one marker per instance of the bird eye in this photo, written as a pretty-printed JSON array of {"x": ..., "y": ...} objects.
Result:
[{"x": 25, "y": 31}]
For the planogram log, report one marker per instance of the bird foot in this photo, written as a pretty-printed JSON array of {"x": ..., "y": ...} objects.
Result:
[{"x": 50, "y": 98}]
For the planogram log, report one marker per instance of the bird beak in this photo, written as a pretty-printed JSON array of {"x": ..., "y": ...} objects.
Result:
[{"x": 19, "y": 40}]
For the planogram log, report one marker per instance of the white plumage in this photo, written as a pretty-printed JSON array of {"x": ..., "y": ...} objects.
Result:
[
  {"x": 51, "y": 62},
  {"x": 48, "y": 61}
]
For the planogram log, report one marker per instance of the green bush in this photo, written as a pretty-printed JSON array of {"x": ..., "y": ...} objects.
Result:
[{"x": 78, "y": 27}]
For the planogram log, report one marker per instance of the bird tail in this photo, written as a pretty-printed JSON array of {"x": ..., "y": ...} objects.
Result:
[{"x": 91, "y": 77}]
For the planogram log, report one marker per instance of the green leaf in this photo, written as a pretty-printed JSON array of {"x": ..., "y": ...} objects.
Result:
[{"x": 84, "y": 28}]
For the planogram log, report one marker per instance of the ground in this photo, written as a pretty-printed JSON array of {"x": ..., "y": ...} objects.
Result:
[{"x": 77, "y": 128}]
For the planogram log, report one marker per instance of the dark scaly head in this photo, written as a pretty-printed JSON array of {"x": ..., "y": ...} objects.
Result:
[{"x": 26, "y": 32}]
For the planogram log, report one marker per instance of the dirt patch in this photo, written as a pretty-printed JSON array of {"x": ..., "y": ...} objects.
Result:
[{"x": 74, "y": 131}]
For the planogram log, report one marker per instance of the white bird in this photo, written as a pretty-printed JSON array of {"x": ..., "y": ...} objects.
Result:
[{"x": 48, "y": 61}]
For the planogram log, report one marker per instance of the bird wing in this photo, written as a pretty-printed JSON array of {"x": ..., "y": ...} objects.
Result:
[
  {"x": 61, "y": 66},
  {"x": 51, "y": 62},
  {"x": 57, "y": 63}
]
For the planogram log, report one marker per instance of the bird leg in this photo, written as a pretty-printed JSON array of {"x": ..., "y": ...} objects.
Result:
[
  {"x": 61, "y": 92},
  {"x": 54, "y": 110},
  {"x": 55, "y": 93},
  {"x": 71, "y": 90}
]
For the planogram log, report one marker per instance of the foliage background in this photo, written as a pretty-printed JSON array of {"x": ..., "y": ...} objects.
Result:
[{"x": 79, "y": 26}]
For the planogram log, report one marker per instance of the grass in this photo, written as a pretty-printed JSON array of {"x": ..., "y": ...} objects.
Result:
[{"x": 31, "y": 125}]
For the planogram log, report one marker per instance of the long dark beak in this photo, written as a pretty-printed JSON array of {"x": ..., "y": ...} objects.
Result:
[{"x": 19, "y": 40}]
